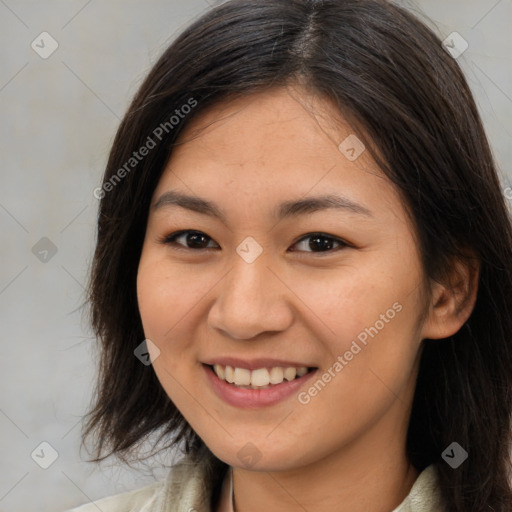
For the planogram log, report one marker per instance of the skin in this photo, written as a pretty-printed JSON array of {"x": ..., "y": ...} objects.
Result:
[{"x": 307, "y": 304}]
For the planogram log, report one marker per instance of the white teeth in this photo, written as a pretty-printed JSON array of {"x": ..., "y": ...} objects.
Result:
[
  {"x": 260, "y": 378},
  {"x": 219, "y": 370},
  {"x": 290, "y": 373},
  {"x": 276, "y": 375},
  {"x": 302, "y": 371},
  {"x": 242, "y": 377},
  {"x": 229, "y": 374}
]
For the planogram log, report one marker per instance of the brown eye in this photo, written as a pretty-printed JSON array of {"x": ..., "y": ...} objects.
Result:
[
  {"x": 197, "y": 240},
  {"x": 192, "y": 239},
  {"x": 320, "y": 242}
]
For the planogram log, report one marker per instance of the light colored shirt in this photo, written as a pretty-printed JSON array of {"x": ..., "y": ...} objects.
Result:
[{"x": 199, "y": 487}]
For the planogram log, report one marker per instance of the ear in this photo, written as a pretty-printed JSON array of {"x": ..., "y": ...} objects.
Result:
[{"x": 452, "y": 301}]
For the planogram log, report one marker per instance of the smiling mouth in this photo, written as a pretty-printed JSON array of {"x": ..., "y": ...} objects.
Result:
[{"x": 261, "y": 378}]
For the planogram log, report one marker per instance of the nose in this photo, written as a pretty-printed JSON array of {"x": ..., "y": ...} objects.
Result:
[{"x": 251, "y": 299}]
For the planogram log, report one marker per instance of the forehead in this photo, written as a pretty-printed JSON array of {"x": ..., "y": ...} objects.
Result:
[
  {"x": 279, "y": 144},
  {"x": 282, "y": 121}
]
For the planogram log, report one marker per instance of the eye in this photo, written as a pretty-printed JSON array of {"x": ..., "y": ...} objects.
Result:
[
  {"x": 196, "y": 238},
  {"x": 321, "y": 241},
  {"x": 318, "y": 242}
]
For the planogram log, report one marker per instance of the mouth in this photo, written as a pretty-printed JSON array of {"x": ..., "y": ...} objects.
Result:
[
  {"x": 260, "y": 378},
  {"x": 246, "y": 395}
]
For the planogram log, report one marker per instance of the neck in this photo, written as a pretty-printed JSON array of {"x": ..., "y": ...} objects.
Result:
[
  {"x": 360, "y": 479},
  {"x": 379, "y": 492}
]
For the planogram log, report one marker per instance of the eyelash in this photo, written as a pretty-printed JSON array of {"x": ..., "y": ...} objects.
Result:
[{"x": 170, "y": 240}]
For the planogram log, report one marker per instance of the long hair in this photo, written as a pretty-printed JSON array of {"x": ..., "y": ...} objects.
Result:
[{"x": 408, "y": 101}]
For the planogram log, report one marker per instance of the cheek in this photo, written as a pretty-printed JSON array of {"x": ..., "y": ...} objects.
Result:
[
  {"x": 152, "y": 294},
  {"x": 344, "y": 301},
  {"x": 368, "y": 313},
  {"x": 165, "y": 295}
]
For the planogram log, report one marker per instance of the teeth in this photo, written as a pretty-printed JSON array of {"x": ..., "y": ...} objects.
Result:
[
  {"x": 290, "y": 373},
  {"x": 242, "y": 377},
  {"x": 302, "y": 371},
  {"x": 260, "y": 378},
  {"x": 219, "y": 370},
  {"x": 229, "y": 374},
  {"x": 276, "y": 375}
]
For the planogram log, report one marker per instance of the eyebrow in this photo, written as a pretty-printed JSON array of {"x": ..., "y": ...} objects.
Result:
[{"x": 286, "y": 209}]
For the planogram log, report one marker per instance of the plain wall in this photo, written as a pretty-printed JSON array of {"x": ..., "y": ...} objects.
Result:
[{"x": 58, "y": 119}]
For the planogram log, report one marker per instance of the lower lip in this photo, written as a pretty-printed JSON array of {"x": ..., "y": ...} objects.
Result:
[{"x": 255, "y": 398}]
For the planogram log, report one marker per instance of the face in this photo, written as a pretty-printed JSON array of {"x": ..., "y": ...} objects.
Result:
[{"x": 336, "y": 287}]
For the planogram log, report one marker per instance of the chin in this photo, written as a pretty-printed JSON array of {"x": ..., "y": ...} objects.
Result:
[{"x": 257, "y": 456}]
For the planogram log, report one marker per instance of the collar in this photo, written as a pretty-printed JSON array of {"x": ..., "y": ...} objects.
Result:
[{"x": 197, "y": 485}]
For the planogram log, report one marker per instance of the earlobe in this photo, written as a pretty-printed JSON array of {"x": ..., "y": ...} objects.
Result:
[{"x": 452, "y": 302}]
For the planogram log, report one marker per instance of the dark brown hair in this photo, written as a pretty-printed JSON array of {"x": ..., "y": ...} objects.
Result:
[{"x": 408, "y": 101}]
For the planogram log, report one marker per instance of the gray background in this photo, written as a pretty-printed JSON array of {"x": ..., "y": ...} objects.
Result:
[{"x": 58, "y": 119}]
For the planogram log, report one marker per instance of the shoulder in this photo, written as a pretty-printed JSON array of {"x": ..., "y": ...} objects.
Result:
[
  {"x": 425, "y": 495},
  {"x": 139, "y": 500},
  {"x": 189, "y": 485}
]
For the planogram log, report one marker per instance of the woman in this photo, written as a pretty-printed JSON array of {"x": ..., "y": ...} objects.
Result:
[{"x": 302, "y": 228}]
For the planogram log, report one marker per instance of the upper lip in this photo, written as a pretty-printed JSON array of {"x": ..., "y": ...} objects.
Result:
[{"x": 254, "y": 364}]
